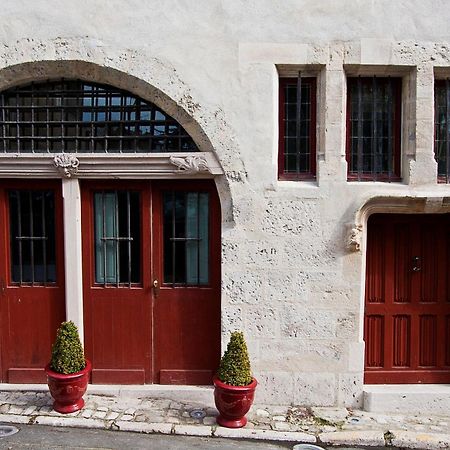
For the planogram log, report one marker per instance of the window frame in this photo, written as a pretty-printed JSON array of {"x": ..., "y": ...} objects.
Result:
[
  {"x": 441, "y": 179},
  {"x": 302, "y": 176},
  {"x": 397, "y": 83}
]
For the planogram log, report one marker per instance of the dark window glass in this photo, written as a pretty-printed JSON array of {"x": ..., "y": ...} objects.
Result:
[
  {"x": 442, "y": 129},
  {"x": 117, "y": 237},
  {"x": 32, "y": 236},
  {"x": 297, "y": 153},
  {"x": 77, "y": 117},
  {"x": 373, "y": 139},
  {"x": 186, "y": 237}
]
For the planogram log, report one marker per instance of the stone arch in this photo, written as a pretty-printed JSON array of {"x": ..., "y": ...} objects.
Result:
[
  {"x": 179, "y": 104},
  {"x": 357, "y": 236}
]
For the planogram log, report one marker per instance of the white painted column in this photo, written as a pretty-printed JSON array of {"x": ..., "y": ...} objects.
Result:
[{"x": 72, "y": 252}]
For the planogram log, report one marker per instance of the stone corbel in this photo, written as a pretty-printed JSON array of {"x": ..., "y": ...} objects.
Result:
[
  {"x": 66, "y": 163},
  {"x": 190, "y": 164},
  {"x": 354, "y": 237}
]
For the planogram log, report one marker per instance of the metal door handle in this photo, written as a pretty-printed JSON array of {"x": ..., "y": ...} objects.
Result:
[
  {"x": 416, "y": 264},
  {"x": 156, "y": 287},
  {"x": 2, "y": 287}
]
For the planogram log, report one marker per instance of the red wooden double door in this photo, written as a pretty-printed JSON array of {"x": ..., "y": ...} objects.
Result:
[
  {"x": 151, "y": 275},
  {"x": 407, "y": 306}
]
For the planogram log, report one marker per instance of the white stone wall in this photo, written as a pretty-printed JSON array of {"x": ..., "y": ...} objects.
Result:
[{"x": 293, "y": 252}]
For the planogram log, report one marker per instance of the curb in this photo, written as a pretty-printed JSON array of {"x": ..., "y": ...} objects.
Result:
[{"x": 394, "y": 438}]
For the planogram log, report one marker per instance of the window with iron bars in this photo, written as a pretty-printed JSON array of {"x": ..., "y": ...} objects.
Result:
[
  {"x": 297, "y": 129},
  {"x": 442, "y": 129},
  {"x": 81, "y": 117},
  {"x": 374, "y": 128}
]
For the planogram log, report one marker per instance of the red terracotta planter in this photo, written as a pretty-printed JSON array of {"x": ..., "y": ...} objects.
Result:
[
  {"x": 68, "y": 390},
  {"x": 233, "y": 402}
]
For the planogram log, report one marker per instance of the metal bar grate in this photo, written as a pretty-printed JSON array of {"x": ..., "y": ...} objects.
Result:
[
  {"x": 32, "y": 240},
  {"x": 79, "y": 117},
  {"x": 374, "y": 129},
  {"x": 115, "y": 224}
]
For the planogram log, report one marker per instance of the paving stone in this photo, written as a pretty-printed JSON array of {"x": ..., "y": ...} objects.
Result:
[
  {"x": 130, "y": 411},
  {"x": 126, "y": 417},
  {"x": 99, "y": 414},
  {"x": 86, "y": 413},
  {"x": 4, "y": 408},
  {"x": 193, "y": 430},
  {"x": 102, "y": 408},
  {"x": 279, "y": 418},
  {"x": 30, "y": 410},
  {"x": 282, "y": 426},
  {"x": 16, "y": 409},
  {"x": 262, "y": 413},
  {"x": 112, "y": 415},
  {"x": 209, "y": 421}
]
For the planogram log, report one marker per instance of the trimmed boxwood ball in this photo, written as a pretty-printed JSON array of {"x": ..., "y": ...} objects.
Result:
[
  {"x": 234, "y": 366},
  {"x": 67, "y": 351}
]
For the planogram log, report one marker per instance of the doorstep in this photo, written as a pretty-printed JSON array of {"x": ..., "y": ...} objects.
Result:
[{"x": 407, "y": 398}]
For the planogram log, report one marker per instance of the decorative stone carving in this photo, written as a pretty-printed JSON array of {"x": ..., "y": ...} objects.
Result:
[
  {"x": 191, "y": 163},
  {"x": 66, "y": 163},
  {"x": 354, "y": 238}
]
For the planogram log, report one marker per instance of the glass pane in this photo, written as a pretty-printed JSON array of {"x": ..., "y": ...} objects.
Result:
[
  {"x": 32, "y": 236},
  {"x": 117, "y": 237},
  {"x": 77, "y": 109},
  {"x": 105, "y": 227},
  {"x": 186, "y": 237}
]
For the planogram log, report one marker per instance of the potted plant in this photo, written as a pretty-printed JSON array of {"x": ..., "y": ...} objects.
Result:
[
  {"x": 234, "y": 385},
  {"x": 68, "y": 371}
]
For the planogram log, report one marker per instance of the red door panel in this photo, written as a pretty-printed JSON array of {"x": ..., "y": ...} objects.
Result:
[
  {"x": 32, "y": 304},
  {"x": 186, "y": 312},
  {"x": 117, "y": 314},
  {"x": 407, "y": 307}
]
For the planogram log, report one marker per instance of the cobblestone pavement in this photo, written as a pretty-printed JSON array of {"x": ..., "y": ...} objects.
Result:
[{"x": 334, "y": 426}]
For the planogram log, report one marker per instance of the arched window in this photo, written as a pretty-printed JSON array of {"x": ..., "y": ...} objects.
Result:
[{"x": 80, "y": 117}]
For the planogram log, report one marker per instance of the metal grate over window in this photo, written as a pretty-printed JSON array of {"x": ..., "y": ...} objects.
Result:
[
  {"x": 80, "y": 117},
  {"x": 117, "y": 238},
  {"x": 32, "y": 237},
  {"x": 442, "y": 129},
  {"x": 186, "y": 238},
  {"x": 297, "y": 156},
  {"x": 373, "y": 140}
]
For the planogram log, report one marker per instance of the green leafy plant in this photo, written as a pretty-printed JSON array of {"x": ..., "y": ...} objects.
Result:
[
  {"x": 67, "y": 351},
  {"x": 234, "y": 366}
]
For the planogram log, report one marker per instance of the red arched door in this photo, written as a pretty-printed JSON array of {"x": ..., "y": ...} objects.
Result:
[
  {"x": 151, "y": 255},
  {"x": 407, "y": 307},
  {"x": 32, "y": 304}
]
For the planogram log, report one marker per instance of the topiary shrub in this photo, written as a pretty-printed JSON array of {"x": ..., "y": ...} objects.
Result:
[
  {"x": 67, "y": 351},
  {"x": 234, "y": 366}
]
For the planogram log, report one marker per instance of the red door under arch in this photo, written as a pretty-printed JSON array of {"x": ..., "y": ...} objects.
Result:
[
  {"x": 32, "y": 304},
  {"x": 407, "y": 306},
  {"x": 151, "y": 257}
]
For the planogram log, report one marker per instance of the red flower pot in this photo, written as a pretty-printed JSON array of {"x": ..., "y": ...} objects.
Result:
[
  {"x": 68, "y": 390},
  {"x": 233, "y": 402}
]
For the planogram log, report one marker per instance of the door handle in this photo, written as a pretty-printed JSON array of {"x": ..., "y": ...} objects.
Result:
[
  {"x": 2, "y": 287},
  {"x": 156, "y": 287},
  {"x": 417, "y": 267}
]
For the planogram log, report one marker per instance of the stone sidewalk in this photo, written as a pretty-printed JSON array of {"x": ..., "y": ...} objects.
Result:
[{"x": 145, "y": 412}]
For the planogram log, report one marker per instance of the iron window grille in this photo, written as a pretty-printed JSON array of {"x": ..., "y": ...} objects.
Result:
[
  {"x": 186, "y": 238},
  {"x": 117, "y": 238},
  {"x": 32, "y": 237},
  {"x": 297, "y": 129},
  {"x": 442, "y": 129},
  {"x": 81, "y": 117},
  {"x": 373, "y": 128}
]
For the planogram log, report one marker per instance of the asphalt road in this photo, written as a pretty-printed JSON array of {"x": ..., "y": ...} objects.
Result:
[{"x": 35, "y": 437}]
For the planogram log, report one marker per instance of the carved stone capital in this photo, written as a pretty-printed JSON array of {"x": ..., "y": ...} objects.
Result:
[
  {"x": 191, "y": 163},
  {"x": 354, "y": 238},
  {"x": 66, "y": 163}
]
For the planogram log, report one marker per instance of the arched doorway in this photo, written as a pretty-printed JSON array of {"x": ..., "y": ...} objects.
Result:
[
  {"x": 407, "y": 299},
  {"x": 148, "y": 228}
]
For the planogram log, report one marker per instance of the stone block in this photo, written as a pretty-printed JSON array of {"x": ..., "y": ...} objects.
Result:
[
  {"x": 274, "y": 388},
  {"x": 243, "y": 287},
  {"x": 317, "y": 389},
  {"x": 262, "y": 322},
  {"x": 350, "y": 389}
]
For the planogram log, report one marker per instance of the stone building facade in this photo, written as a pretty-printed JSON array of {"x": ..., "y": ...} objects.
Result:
[{"x": 293, "y": 261}]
